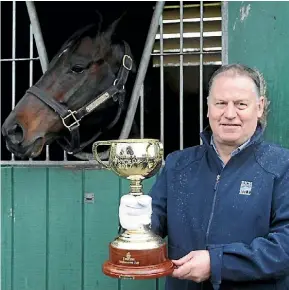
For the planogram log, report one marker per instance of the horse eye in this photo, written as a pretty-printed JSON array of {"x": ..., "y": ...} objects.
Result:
[{"x": 78, "y": 69}]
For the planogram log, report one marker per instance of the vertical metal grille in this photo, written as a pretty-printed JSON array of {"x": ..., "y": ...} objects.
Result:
[
  {"x": 201, "y": 66},
  {"x": 13, "y": 57},
  {"x": 181, "y": 76},
  {"x": 189, "y": 37}
]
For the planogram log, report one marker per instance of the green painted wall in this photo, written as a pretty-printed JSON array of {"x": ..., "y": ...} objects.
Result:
[
  {"x": 51, "y": 238},
  {"x": 258, "y": 36}
]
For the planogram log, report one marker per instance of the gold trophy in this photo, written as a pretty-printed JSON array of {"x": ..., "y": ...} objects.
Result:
[{"x": 135, "y": 254}]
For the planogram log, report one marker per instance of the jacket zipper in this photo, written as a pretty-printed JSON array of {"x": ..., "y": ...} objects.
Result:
[
  {"x": 213, "y": 207},
  {"x": 215, "y": 197}
]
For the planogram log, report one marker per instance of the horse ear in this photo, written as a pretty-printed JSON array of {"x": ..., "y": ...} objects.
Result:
[{"x": 112, "y": 27}]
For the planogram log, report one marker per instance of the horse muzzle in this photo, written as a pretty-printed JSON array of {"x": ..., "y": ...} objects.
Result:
[{"x": 22, "y": 150}]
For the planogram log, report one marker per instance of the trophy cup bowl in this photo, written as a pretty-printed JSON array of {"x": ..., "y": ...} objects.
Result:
[{"x": 135, "y": 254}]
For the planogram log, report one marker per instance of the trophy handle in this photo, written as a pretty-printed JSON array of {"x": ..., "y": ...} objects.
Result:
[
  {"x": 148, "y": 146},
  {"x": 159, "y": 144},
  {"x": 95, "y": 154},
  {"x": 160, "y": 147}
]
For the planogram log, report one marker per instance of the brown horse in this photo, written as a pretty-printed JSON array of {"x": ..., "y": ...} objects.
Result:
[{"x": 84, "y": 87}]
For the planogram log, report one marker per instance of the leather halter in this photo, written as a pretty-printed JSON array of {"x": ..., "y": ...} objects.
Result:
[{"x": 71, "y": 119}]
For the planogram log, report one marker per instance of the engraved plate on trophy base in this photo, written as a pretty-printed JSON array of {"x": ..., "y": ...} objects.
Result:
[
  {"x": 138, "y": 254},
  {"x": 138, "y": 264}
]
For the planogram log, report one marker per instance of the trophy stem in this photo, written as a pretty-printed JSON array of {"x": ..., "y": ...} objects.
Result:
[{"x": 136, "y": 184}]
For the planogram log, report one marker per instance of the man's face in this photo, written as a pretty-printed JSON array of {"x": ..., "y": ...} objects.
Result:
[{"x": 234, "y": 109}]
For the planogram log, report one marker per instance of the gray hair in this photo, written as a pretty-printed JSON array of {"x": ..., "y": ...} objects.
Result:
[{"x": 255, "y": 76}]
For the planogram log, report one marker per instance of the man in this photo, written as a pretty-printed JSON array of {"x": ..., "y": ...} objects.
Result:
[{"x": 224, "y": 205}]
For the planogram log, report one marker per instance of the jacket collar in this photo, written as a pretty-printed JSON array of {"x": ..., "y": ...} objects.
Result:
[{"x": 257, "y": 137}]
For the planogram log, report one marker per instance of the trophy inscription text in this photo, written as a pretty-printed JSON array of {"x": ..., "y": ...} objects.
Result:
[{"x": 128, "y": 260}]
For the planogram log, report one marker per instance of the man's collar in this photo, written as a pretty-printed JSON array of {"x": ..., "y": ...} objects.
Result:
[
  {"x": 238, "y": 149},
  {"x": 206, "y": 136}
]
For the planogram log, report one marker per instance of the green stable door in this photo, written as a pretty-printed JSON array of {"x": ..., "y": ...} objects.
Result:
[{"x": 57, "y": 224}]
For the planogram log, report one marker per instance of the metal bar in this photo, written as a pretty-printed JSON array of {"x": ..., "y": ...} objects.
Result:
[
  {"x": 189, "y": 35},
  {"x": 181, "y": 77},
  {"x": 201, "y": 67},
  {"x": 39, "y": 44},
  {"x": 187, "y": 53},
  {"x": 191, "y": 20},
  {"x": 1, "y": 103},
  {"x": 64, "y": 155},
  {"x": 13, "y": 52},
  {"x": 90, "y": 164},
  {"x": 197, "y": 63},
  {"x": 30, "y": 56},
  {"x": 18, "y": 59},
  {"x": 37, "y": 35},
  {"x": 67, "y": 164},
  {"x": 13, "y": 62},
  {"x": 142, "y": 70},
  {"x": 142, "y": 111},
  {"x": 47, "y": 156},
  {"x": 162, "y": 81},
  {"x": 225, "y": 32},
  {"x": 208, "y": 4}
]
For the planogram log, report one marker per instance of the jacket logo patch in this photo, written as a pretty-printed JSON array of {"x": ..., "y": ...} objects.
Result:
[{"x": 245, "y": 188}]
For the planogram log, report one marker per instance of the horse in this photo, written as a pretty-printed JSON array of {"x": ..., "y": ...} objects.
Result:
[{"x": 82, "y": 91}]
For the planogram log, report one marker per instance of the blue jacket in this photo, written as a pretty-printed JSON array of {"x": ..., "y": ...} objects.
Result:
[{"x": 239, "y": 212}]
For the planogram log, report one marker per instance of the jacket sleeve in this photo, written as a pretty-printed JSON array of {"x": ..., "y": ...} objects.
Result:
[
  {"x": 158, "y": 193},
  {"x": 266, "y": 257}
]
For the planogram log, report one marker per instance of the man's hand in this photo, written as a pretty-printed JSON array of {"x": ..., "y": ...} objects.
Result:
[{"x": 194, "y": 266}]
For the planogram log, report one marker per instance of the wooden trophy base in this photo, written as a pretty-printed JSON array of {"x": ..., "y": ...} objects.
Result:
[{"x": 128, "y": 261}]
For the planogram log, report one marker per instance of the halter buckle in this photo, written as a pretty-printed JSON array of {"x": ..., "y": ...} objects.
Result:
[
  {"x": 115, "y": 83},
  {"x": 128, "y": 65},
  {"x": 76, "y": 121}
]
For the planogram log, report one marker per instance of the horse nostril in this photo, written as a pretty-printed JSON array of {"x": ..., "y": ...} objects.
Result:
[
  {"x": 12, "y": 129},
  {"x": 15, "y": 134}
]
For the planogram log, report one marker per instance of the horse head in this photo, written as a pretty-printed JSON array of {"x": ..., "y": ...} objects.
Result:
[{"x": 83, "y": 87}]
